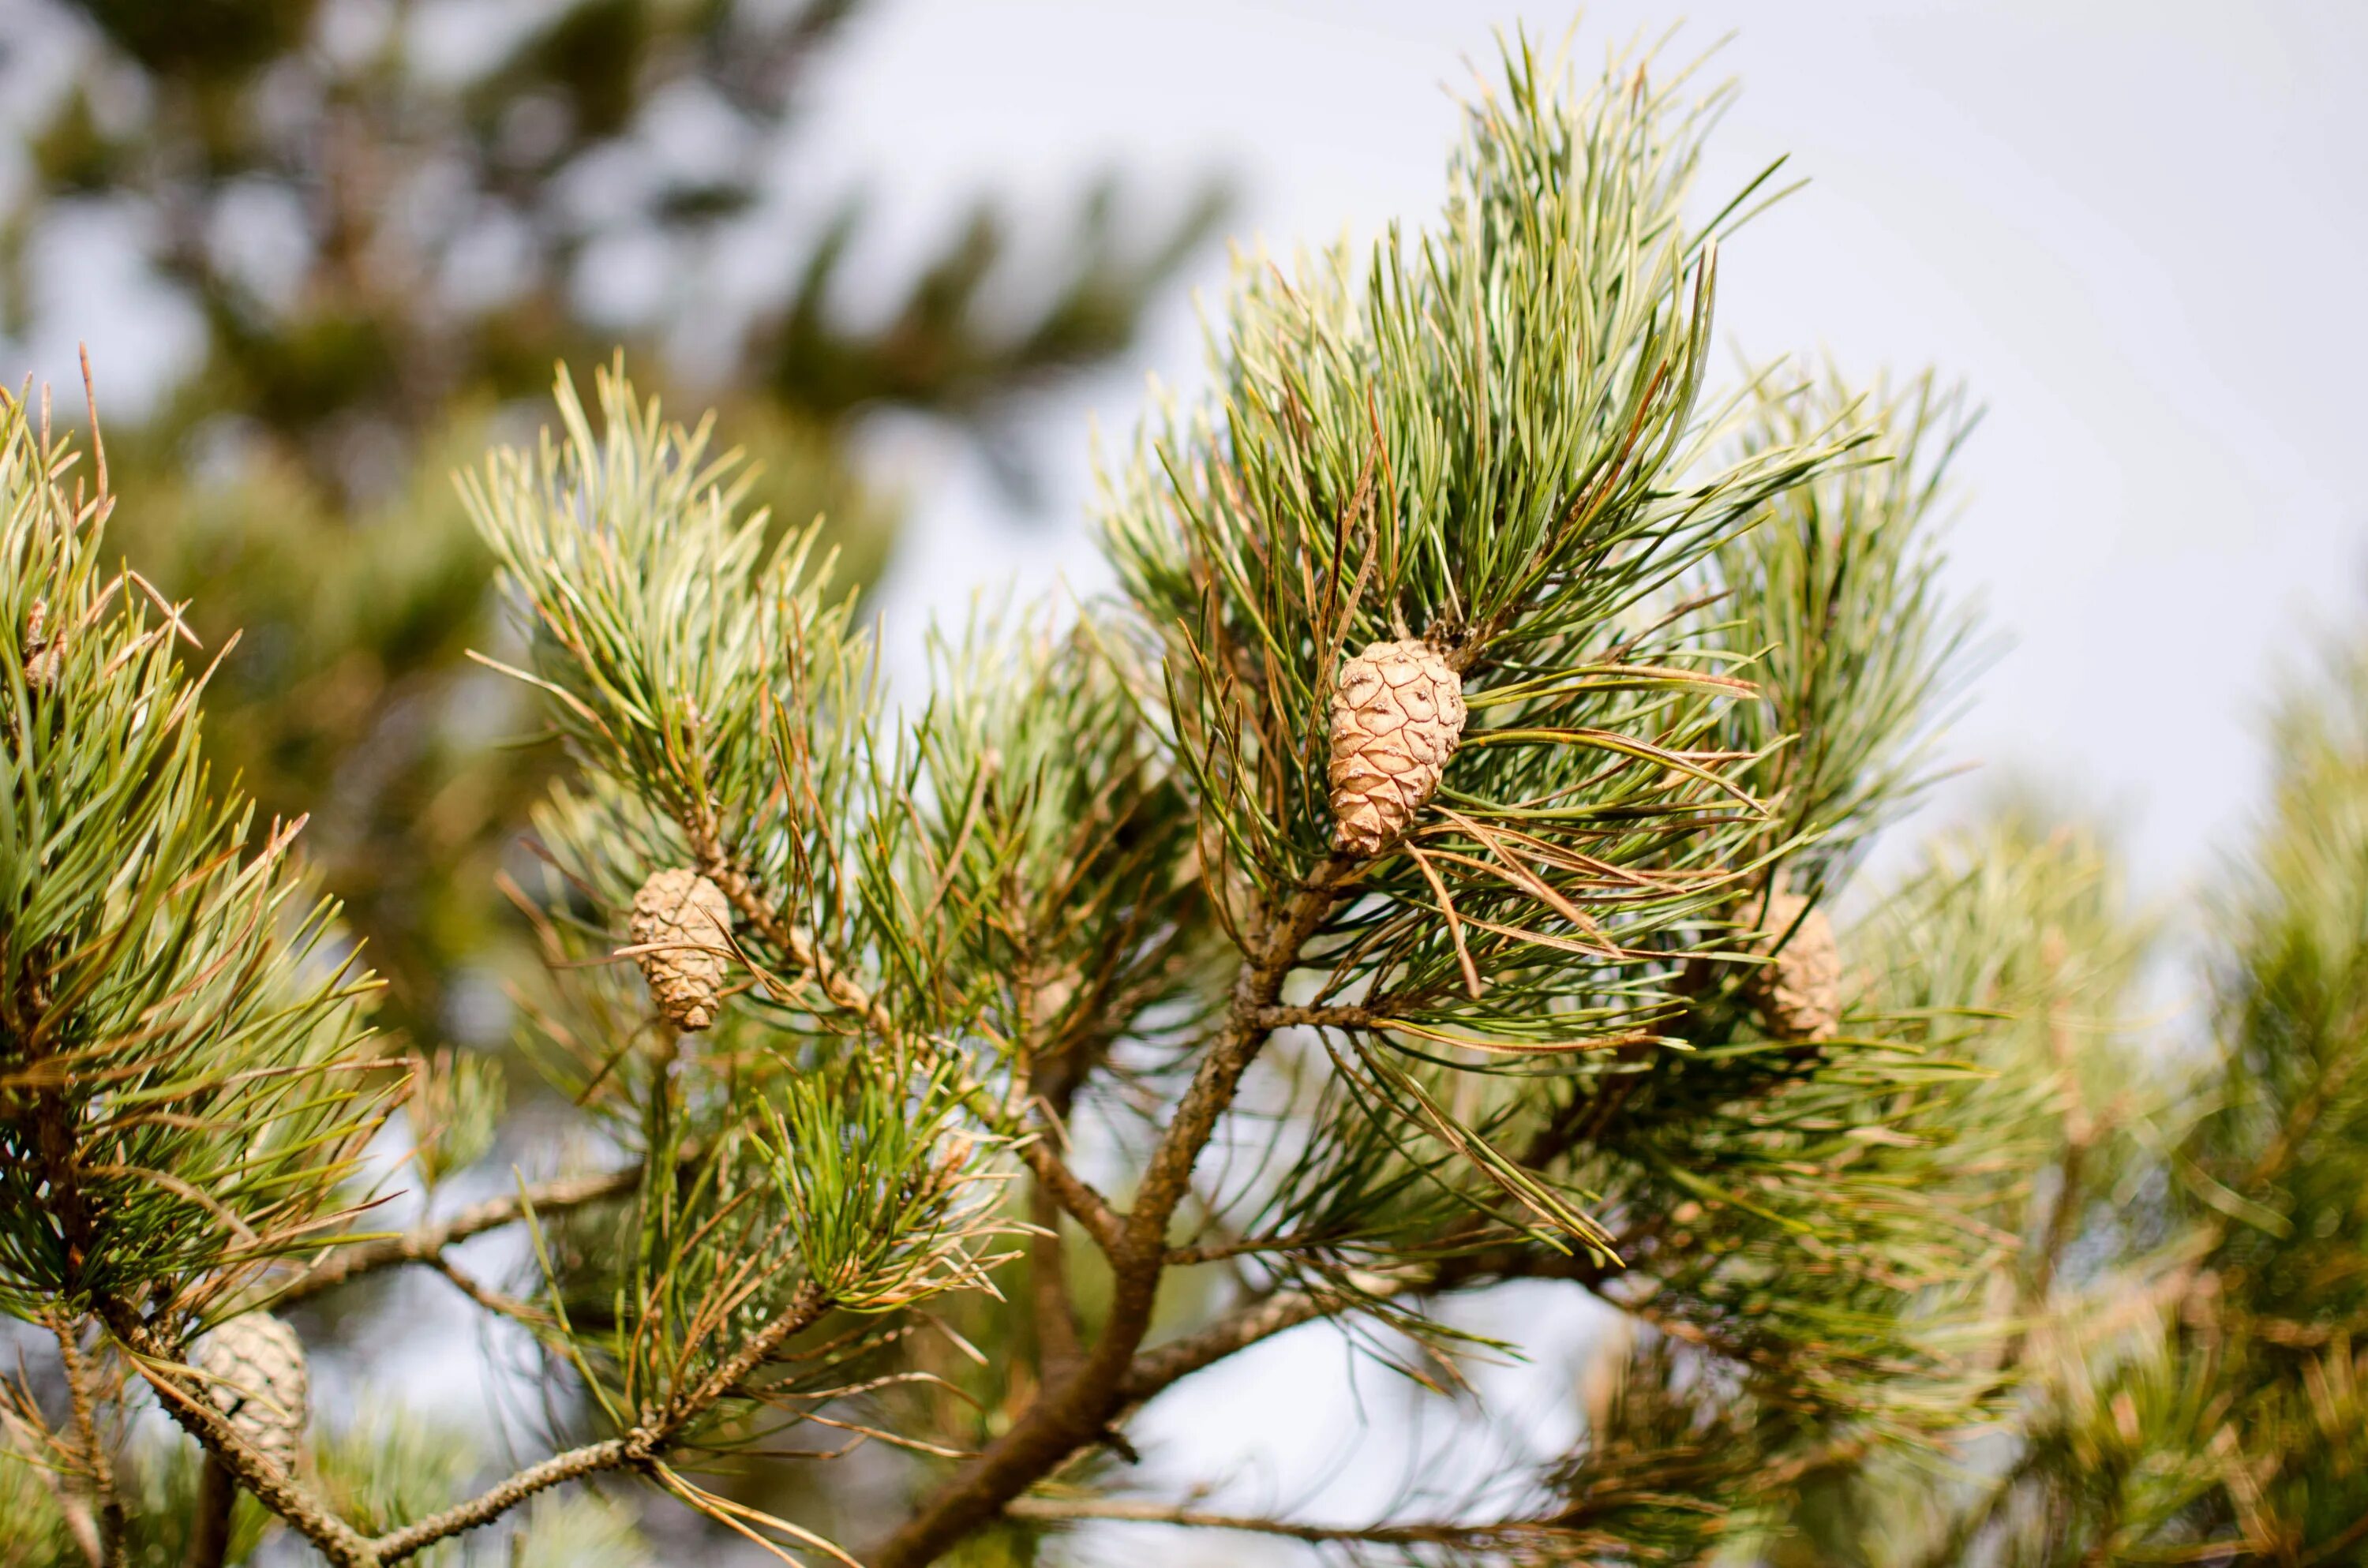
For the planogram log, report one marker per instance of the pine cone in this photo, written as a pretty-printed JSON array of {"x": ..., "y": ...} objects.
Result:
[
  {"x": 255, "y": 1379},
  {"x": 1799, "y": 989},
  {"x": 43, "y": 657},
  {"x": 686, "y": 922},
  {"x": 1396, "y": 715}
]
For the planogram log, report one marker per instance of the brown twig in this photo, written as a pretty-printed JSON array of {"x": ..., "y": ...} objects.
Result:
[
  {"x": 1431, "y": 1533},
  {"x": 639, "y": 1448},
  {"x": 1344, "y": 1016},
  {"x": 184, "y": 1399},
  {"x": 1077, "y": 1196},
  {"x": 1079, "y": 1409},
  {"x": 94, "y": 1456},
  {"x": 425, "y": 1243},
  {"x": 844, "y": 991},
  {"x": 1152, "y": 1370}
]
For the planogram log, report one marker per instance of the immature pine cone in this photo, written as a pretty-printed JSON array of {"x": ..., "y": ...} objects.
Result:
[
  {"x": 685, "y": 921},
  {"x": 1396, "y": 715},
  {"x": 43, "y": 654},
  {"x": 1799, "y": 989},
  {"x": 256, "y": 1379}
]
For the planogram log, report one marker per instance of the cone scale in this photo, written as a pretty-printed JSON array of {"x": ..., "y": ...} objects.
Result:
[
  {"x": 1397, "y": 713},
  {"x": 682, "y": 923},
  {"x": 256, "y": 1379}
]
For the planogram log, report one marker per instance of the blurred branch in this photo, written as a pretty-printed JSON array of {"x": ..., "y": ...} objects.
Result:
[
  {"x": 493, "y": 1300},
  {"x": 94, "y": 1456},
  {"x": 425, "y": 1244},
  {"x": 1441, "y": 1532},
  {"x": 34, "y": 1443}
]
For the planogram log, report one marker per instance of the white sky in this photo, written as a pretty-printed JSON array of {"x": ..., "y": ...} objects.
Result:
[{"x": 2133, "y": 229}]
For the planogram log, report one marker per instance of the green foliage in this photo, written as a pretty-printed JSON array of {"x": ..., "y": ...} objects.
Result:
[
  {"x": 295, "y": 486},
  {"x": 1057, "y": 851},
  {"x": 2204, "y": 1397},
  {"x": 1837, "y": 594},
  {"x": 386, "y": 1468},
  {"x": 877, "y": 1195},
  {"x": 185, "y": 1081},
  {"x": 454, "y": 1110}
]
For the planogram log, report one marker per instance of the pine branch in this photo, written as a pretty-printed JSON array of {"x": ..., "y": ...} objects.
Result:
[
  {"x": 1086, "y": 1205},
  {"x": 641, "y": 1447},
  {"x": 93, "y": 1452},
  {"x": 185, "y": 1399},
  {"x": 425, "y": 1244},
  {"x": 843, "y": 989},
  {"x": 1080, "y": 1408},
  {"x": 1473, "y": 1535},
  {"x": 347, "y": 1548},
  {"x": 1152, "y": 1370},
  {"x": 1077, "y": 1196},
  {"x": 1155, "y": 1369}
]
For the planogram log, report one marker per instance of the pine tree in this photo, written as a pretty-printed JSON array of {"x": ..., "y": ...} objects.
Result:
[
  {"x": 1421, "y": 877},
  {"x": 429, "y": 251}
]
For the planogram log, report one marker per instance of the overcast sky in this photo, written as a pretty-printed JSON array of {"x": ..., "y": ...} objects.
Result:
[{"x": 2135, "y": 229}]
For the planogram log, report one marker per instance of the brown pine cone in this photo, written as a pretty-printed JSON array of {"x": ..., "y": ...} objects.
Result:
[
  {"x": 1396, "y": 715},
  {"x": 1799, "y": 989},
  {"x": 43, "y": 654},
  {"x": 255, "y": 1379},
  {"x": 685, "y": 922}
]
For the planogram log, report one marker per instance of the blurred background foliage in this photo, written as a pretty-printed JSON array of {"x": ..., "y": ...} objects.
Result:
[{"x": 393, "y": 216}]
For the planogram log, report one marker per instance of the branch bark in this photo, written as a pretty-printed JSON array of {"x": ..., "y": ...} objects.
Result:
[
  {"x": 423, "y": 1243},
  {"x": 344, "y": 1545},
  {"x": 94, "y": 1456},
  {"x": 634, "y": 1449},
  {"x": 1439, "y": 1532},
  {"x": 1079, "y": 1409}
]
